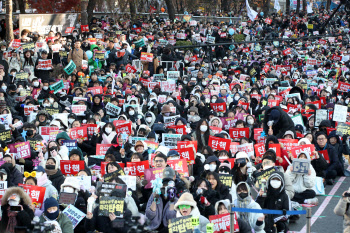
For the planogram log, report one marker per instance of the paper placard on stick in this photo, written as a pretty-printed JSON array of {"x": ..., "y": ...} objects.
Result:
[
  {"x": 70, "y": 67},
  {"x": 74, "y": 215},
  {"x": 56, "y": 87},
  {"x": 321, "y": 114},
  {"x": 44, "y": 64},
  {"x": 340, "y": 113}
]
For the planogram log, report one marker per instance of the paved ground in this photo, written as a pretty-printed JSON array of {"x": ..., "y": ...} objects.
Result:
[{"x": 324, "y": 220}]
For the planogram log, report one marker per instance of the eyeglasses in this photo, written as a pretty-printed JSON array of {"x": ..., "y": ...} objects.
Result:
[
  {"x": 159, "y": 161},
  {"x": 321, "y": 139},
  {"x": 184, "y": 207}
]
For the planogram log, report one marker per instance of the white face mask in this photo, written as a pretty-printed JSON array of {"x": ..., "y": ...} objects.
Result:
[
  {"x": 131, "y": 113},
  {"x": 51, "y": 100},
  {"x": 39, "y": 174},
  {"x": 212, "y": 167},
  {"x": 36, "y": 84},
  {"x": 4, "y": 88},
  {"x": 204, "y": 83},
  {"x": 45, "y": 88},
  {"x": 68, "y": 190},
  {"x": 46, "y": 105},
  {"x": 346, "y": 101},
  {"x": 149, "y": 119},
  {"x": 13, "y": 202},
  {"x": 223, "y": 157},
  {"x": 236, "y": 97},
  {"x": 108, "y": 130},
  {"x": 203, "y": 128},
  {"x": 70, "y": 120},
  {"x": 213, "y": 100},
  {"x": 250, "y": 121},
  {"x": 275, "y": 184},
  {"x": 20, "y": 89}
]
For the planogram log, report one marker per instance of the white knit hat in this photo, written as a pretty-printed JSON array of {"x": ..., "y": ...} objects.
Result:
[{"x": 241, "y": 155}]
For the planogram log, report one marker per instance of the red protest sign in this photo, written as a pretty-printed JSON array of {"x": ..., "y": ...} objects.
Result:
[
  {"x": 84, "y": 28},
  {"x": 273, "y": 103},
  {"x": 287, "y": 51},
  {"x": 244, "y": 105},
  {"x": 324, "y": 153},
  {"x": 344, "y": 87},
  {"x": 138, "y": 30},
  {"x": 296, "y": 107},
  {"x": 69, "y": 167},
  {"x": 276, "y": 148},
  {"x": 218, "y": 107},
  {"x": 222, "y": 223},
  {"x": 259, "y": 149},
  {"x": 236, "y": 133},
  {"x": 49, "y": 133},
  {"x": 91, "y": 128},
  {"x": 137, "y": 168},
  {"x": 101, "y": 149},
  {"x": 307, "y": 149},
  {"x": 323, "y": 100},
  {"x": 311, "y": 62},
  {"x": 218, "y": 144},
  {"x": 123, "y": 127},
  {"x": 144, "y": 82},
  {"x": 336, "y": 58},
  {"x": 288, "y": 144},
  {"x": 36, "y": 194},
  {"x": 146, "y": 57},
  {"x": 230, "y": 161},
  {"x": 21, "y": 149},
  {"x": 322, "y": 41},
  {"x": 69, "y": 30},
  {"x": 185, "y": 144},
  {"x": 29, "y": 109},
  {"x": 78, "y": 132},
  {"x": 16, "y": 43},
  {"x": 245, "y": 50},
  {"x": 215, "y": 129},
  {"x": 78, "y": 109},
  {"x": 180, "y": 129},
  {"x": 104, "y": 165},
  {"x": 256, "y": 96},
  {"x": 234, "y": 147},
  {"x": 179, "y": 165},
  {"x": 268, "y": 21},
  {"x": 130, "y": 69},
  {"x": 187, "y": 154},
  {"x": 96, "y": 90},
  {"x": 44, "y": 64}
]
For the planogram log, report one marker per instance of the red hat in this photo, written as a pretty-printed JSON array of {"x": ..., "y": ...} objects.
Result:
[{"x": 128, "y": 92}]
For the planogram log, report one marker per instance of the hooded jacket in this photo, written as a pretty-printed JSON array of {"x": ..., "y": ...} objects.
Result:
[
  {"x": 284, "y": 123},
  {"x": 276, "y": 199},
  {"x": 342, "y": 209},
  {"x": 64, "y": 222},
  {"x": 249, "y": 203},
  {"x": 215, "y": 118},
  {"x": 23, "y": 217}
]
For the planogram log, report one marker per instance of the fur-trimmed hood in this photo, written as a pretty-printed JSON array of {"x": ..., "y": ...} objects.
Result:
[
  {"x": 25, "y": 199},
  {"x": 215, "y": 118}
]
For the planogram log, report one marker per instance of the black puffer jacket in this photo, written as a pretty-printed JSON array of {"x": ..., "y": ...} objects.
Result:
[
  {"x": 284, "y": 124},
  {"x": 57, "y": 179}
]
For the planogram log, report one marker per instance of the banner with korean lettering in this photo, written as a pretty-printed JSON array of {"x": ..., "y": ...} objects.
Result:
[
  {"x": 170, "y": 120},
  {"x": 247, "y": 148},
  {"x": 222, "y": 223},
  {"x": 152, "y": 174},
  {"x": 186, "y": 144},
  {"x": 29, "y": 109},
  {"x": 74, "y": 214},
  {"x": 179, "y": 165},
  {"x": 122, "y": 127},
  {"x": 21, "y": 149},
  {"x": 70, "y": 144},
  {"x": 168, "y": 86},
  {"x": 69, "y": 167},
  {"x": 78, "y": 109},
  {"x": 237, "y": 133},
  {"x": 78, "y": 132},
  {"x": 187, "y": 154},
  {"x": 180, "y": 129},
  {"x": 96, "y": 90},
  {"x": 146, "y": 57},
  {"x": 36, "y": 194},
  {"x": 288, "y": 144},
  {"x": 49, "y": 133},
  {"x": 325, "y": 155},
  {"x": 218, "y": 107},
  {"x": 90, "y": 128},
  {"x": 218, "y": 144},
  {"x": 277, "y": 148},
  {"x": 44, "y": 64},
  {"x": 259, "y": 149},
  {"x": 343, "y": 128},
  {"x": 344, "y": 87},
  {"x": 101, "y": 149},
  {"x": 308, "y": 149},
  {"x": 137, "y": 168}
]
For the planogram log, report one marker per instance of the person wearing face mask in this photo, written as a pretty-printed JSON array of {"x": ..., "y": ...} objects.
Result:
[
  {"x": 31, "y": 132},
  {"x": 166, "y": 111},
  {"x": 202, "y": 133},
  {"x": 43, "y": 181},
  {"x": 15, "y": 197},
  {"x": 54, "y": 173},
  {"x": 42, "y": 118},
  {"x": 14, "y": 176},
  {"x": 52, "y": 213},
  {"x": 244, "y": 200},
  {"x": 276, "y": 199},
  {"x": 108, "y": 133},
  {"x": 150, "y": 118}
]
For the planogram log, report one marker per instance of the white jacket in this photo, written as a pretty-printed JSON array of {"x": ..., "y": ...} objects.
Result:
[
  {"x": 253, "y": 217},
  {"x": 302, "y": 182},
  {"x": 203, "y": 221}
]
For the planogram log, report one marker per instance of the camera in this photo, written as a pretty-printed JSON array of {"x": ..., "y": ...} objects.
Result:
[
  {"x": 347, "y": 194},
  {"x": 41, "y": 227}
]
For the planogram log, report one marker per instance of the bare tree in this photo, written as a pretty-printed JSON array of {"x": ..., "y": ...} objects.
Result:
[
  {"x": 8, "y": 20},
  {"x": 298, "y": 6},
  {"x": 90, "y": 9},
  {"x": 171, "y": 9},
  {"x": 287, "y": 6}
]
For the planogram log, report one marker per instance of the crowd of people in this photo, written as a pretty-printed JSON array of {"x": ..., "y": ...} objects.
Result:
[{"x": 113, "y": 128}]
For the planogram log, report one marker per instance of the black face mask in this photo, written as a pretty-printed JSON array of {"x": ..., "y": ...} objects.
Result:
[
  {"x": 30, "y": 132},
  {"x": 53, "y": 148},
  {"x": 243, "y": 195},
  {"x": 8, "y": 165},
  {"x": 50, "y": 167}
]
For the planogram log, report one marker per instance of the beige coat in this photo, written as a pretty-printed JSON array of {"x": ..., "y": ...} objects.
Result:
[
  {"x": 77, "y": 57},
  {"x": 342, "y": 210}
]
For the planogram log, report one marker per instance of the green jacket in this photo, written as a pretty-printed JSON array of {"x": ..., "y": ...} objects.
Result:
[
  {"x": 91, "y": 60},
  {"x": 65, "y": 223}
]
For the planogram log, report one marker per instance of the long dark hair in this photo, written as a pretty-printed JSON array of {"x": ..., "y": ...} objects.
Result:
[
  {"x": 28, "y": 61},
  {"x": 199, "y": 136},
  {"x": 216, "y": 177}
]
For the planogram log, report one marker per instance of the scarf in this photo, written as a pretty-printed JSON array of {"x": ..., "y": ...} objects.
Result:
[
  {"x": 51, "y": 172},
  {"x": 107, "y": 139},
  {"x": 12, "y": 221},
  {"x": 243, "y": 203}
]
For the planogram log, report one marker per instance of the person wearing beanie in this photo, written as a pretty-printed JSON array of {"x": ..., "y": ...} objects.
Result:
[
  {"x": 334, "y": 164},
  {"x": 187, "y": 206},
  {"x": 244, "y": 200},
  {"x": 15, "y": 196},
  {"x": 43, "y": 181},
  {"x": 54, "y": 173},
  {"x": 277, "y": 122},
  {"x": 75, "y": 155},
  {"x": 341, "y": 147},
  {"x": 52, "y": 213}
]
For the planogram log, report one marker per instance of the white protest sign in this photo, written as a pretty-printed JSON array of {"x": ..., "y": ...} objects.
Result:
[
  {"x": 84, "y": 181},
  {"x": 6, "y": 119},
  {"x": 321, "y": 114},
  {"x": 112, "y": 109},
  {"x": 130, "y": 181},
  {"x": 298, "y": 120},
  {"x": 74, "y": 214},
  {"x": 340, "y": 113}
]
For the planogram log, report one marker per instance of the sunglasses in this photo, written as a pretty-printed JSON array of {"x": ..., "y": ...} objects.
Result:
[{"x": 184, "y": 207}]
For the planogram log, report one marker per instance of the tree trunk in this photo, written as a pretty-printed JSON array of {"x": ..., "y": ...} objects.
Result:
[
  {"x": 132, "y": 10},
  {"x": 304, "y": 6},
  {"x": 266, "y": 9},
  {"x": 22, "y": 6},
  {"x": 8, "y": 20},
  {"x": 84, "y": 14},
  {"x": 224, "y": 5},
  {"x": 328, "y": 5},
  {"x": 287, "y": 6},
  {"x": 171, "y": 9},
  {"x": 298, "y": 6},
  {"x": 90, "y": 9}
]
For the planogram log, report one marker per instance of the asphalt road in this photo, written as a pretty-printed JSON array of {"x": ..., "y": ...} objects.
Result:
[{"x": 323, "y": 218}]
